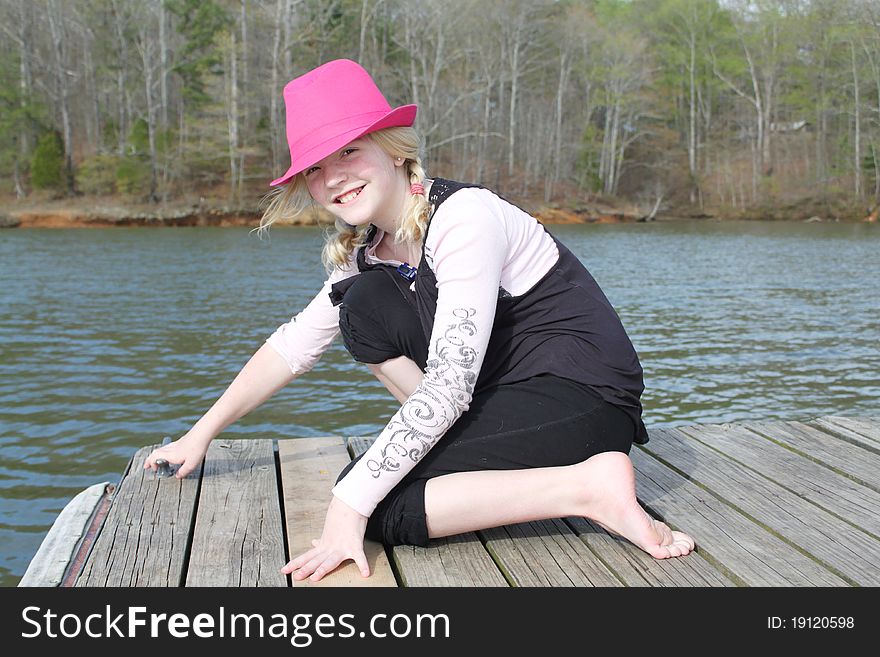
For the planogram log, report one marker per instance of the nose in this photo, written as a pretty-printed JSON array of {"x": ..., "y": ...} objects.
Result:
[{"x": 334, "y": 174}]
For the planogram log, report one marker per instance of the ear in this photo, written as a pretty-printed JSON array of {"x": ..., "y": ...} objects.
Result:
[{"x": 399, "y": 161}]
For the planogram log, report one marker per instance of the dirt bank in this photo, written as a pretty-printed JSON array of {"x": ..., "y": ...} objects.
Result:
[
  {"x": 57, "y": 215},
  {"x": 90, "y": 213}
]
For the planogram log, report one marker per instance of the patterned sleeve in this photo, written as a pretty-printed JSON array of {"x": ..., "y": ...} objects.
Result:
[
  {"x": 302, "y": 341},
  {"x": 466, "y": 247}
]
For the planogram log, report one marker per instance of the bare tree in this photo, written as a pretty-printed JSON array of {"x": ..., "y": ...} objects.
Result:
[
  {"x": 145, "y": 42},
  {"x": 63, "y": 80}
]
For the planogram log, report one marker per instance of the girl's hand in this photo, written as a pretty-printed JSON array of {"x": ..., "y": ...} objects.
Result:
[
  {"x": 187, "y": 451},
  {"x": 342, "y": 539}
]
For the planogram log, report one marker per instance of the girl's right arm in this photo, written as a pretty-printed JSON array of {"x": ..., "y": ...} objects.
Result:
[
  {"x": 291, "y": 350},
  {"x": 261, "y": 377}
]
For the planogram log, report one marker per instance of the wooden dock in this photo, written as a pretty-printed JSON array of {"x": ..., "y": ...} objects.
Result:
[{"x": 769, "y": 504}]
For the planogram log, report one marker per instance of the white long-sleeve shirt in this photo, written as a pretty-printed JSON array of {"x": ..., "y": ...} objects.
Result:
[{"x": 477, "y": 243}]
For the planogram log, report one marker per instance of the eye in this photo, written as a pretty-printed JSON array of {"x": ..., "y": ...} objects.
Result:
[
  {"x": 348, "y": 150},
  {"x": 311, "y": 170}
]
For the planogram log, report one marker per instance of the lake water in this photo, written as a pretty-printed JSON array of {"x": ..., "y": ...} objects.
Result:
[{"x": 111, "y": 339}]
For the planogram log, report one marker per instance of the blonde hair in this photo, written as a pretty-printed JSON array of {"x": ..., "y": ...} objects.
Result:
[{"x": 287, "y": 201}]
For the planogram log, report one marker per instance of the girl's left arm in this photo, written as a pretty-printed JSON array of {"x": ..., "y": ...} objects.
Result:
[{"x": 467, "y": 251}]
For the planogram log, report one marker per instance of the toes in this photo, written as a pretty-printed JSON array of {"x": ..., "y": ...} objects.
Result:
[
  {"x": 684, "y": 539},
  {"x": 674, "y": 544}
]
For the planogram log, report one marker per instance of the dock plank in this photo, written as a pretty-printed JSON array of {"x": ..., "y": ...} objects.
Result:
[
  {"x": 635, "y": 567},
  {"x": 455, "y": 561},
  {"x": 238, "y": 538},
  {"x": 850, "y": 552},
  {"x": 459, "y": 560},
  {"x": 851, "y": 460},
  {"x": 840, "y": 495},
  {"x": 859, "y": 431},
  {"x": 742, "y": 550},
  {"x": 144, "y": 540},
  {"x": 546, "y": 553},
  {"x": 309, "y": 467}
]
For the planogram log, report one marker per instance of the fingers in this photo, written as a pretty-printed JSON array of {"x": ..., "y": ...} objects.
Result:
[
  {"x": 316, "y": 563},
  {"x": 295, "y": 564},
  {"x": 360, "y": 561},
  {"x": 187, "y": 467}
]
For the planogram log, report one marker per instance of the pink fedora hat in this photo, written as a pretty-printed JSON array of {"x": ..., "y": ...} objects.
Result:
[{"x": 330, "y": 106}]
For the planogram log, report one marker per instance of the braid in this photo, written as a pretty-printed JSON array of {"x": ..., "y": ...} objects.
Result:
[
  {"x": 415, "y": 214},
  {"x": 340, "y": 245}
]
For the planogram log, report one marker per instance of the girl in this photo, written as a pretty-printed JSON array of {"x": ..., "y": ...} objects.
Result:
[{"x": 518, "y": 385}]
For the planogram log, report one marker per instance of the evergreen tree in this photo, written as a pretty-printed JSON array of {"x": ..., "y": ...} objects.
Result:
[{"x": 47, "y": 164}]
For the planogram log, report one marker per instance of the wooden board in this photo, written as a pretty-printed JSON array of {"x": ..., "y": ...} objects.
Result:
[
  {"x": 859, "y": 431},
  {"x": 546, "y": 553},
  {"x": 309, "y": 467},
  {"x": 841, "y": 456},
  {"x": 839, "y": 546},
  {"x": 453, "y": 561},
  {"x": 238, "y": 538},
  {"x": 840, "y": 495},
  {"x": 730, "y": 541},
  {"x": 635, "y": 567},
  {"x": 145, "y": 538}
]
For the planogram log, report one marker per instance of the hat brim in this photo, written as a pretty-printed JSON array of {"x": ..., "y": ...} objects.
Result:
[{"x": 400, "y": 117}]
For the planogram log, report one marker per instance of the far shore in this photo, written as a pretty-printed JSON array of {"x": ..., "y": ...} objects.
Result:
[{"x": 83, "y": 212}]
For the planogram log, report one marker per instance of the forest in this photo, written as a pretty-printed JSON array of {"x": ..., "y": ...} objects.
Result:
[{"x": 718, "y": 106}]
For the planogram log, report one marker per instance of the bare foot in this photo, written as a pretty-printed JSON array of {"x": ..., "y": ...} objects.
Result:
[{"x": 610, "y": 500}]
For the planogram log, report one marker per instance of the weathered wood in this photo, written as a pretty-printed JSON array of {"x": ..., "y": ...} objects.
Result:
[
  {"x": 309, "y": 467},
  {"x": 859, "y": 431},
  {"x": 144, "y": 540},
  {"x": 452, "y": 561},
  {"x": 357, "y": 445},
  {"x": 835, "y": 543},
  {"x": 840, "y": 495},
  {"x": 850, "y": 460},
  {"x": 546, "y": 553},
  {"x": 455, "y": 561},
  {"x": 238, "y": 538},
  {"x": 635, "y": 567},
  {"x": 49, "y": 564},
  {"x": 745, "y": 552}
]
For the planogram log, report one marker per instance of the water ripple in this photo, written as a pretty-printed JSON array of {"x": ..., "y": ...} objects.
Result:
[{"x": 112, "y": 339}]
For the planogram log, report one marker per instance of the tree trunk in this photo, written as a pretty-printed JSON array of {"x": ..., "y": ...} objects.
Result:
[
  {"x": 62, "y": 89},
  {"x": 147, "y": 56},
  {"x": 243, "y": 132},
  {"x": 692, "y": 118},
  {"x": 511, "y": 125},
  {"x": 363, "y": 36},
  {"x": 163, "y": 64},
  {"x": 564, "y": 67},
  {"x": 121, "y": 56},
  {"x": 857, "y": 134},
  {"x": 26, "y": 88},
  {"x": 276, "y": 91},
  {"x": 232, "y": 116}
]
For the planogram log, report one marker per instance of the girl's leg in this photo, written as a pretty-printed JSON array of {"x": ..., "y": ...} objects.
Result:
[
  {"x": 516, "y": 432},
  {"x": 455, "y": 490},
  {"x": 400, "y": 375},
  {"x": 602, "y": 488}
]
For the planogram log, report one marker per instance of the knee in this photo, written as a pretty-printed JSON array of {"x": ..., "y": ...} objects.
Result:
[{"x": 377, "y": 323}]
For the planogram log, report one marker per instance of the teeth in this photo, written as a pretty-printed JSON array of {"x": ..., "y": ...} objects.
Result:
[{"x": 345, "y": 198}]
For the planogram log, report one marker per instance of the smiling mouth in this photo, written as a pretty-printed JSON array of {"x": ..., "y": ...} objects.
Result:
[{"x": 348, "y": 196}]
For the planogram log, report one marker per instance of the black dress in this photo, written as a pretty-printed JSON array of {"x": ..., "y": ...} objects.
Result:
[{"x": 560, "y": 381}]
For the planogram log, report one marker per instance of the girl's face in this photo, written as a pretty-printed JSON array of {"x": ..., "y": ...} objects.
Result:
[{"x": 360, "y": 184}]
